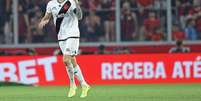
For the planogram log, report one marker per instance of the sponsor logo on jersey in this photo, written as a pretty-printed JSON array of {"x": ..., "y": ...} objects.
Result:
[
  {"x": 62, "y": 15},
  {"x": 66, "y": 7}
]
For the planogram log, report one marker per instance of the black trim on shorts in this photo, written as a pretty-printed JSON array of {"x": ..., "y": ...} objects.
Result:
[{"x": 69, "y": 38}]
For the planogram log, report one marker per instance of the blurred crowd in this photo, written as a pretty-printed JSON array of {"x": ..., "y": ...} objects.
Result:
[
  {"x": 29, "y": 14},
  {"x": 148, "y": 19},
  {"x": 141, "y": 20}
]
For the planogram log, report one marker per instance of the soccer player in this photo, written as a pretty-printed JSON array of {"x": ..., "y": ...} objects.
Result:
[{"x": 66, "y": 14}]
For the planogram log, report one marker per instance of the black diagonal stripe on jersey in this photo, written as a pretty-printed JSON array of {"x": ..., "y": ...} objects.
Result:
[{"x": 63, "y": 10}]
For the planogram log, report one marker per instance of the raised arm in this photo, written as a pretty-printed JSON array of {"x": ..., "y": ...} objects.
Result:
[
  {"x": 45, "y": 20},
  {"x": 78, "y": 10}
]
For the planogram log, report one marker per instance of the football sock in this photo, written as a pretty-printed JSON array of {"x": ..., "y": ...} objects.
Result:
[
  {"x": 70, "y": 71},
  {"x": 79, "y": 76}
]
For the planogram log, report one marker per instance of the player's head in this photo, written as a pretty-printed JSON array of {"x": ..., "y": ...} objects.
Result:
[{"x": 179, "y": 43}]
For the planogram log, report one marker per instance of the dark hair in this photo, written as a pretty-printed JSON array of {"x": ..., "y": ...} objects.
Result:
[{"x": 179, "y": 42}]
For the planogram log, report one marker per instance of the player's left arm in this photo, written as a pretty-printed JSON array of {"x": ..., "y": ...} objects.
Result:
[{"x": 78, "y": 10}]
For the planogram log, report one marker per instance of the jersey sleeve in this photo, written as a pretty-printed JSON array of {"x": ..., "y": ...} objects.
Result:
[{"x": 48, "y": 8}]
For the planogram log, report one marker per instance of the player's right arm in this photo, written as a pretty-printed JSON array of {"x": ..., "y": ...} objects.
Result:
[{"x": 45, "y": 20}]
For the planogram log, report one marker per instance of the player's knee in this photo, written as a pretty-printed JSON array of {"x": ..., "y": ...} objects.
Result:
[
  {"x": 67, "y": 60},
  {"x": 74, "y": 62}
]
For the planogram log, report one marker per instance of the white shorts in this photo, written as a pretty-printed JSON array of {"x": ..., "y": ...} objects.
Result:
[{"x": 69, "y": 46}]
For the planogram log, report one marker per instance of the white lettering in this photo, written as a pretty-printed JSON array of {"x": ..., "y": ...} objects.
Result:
[
  {"x": 160, "y": 70},
  {"x": 197, "y": 69},
  {"x": 27, "y": 72},
  {"x": 47, "y": 63},
  {"x": 128, "y": 70},
  {"x": 117, "y": 71},
  {"x": 187, "y": 65},
  {"x": 11, "y": 72},
  {"x": 178, "y": 72},
  {"x": 106, "y": 71},
  {"x": 148, "y": 70},
  {"x": 138, "y": 70}
]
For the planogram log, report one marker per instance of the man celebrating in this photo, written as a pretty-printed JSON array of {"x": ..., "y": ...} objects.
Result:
[{"x": 66, "y": 14}]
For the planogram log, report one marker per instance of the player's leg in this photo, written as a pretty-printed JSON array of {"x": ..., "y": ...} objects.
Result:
[
  {"x": 69, "y": 68},
  {"x": 74, "y": 46},
  {"x": 80, "y": 77},
  {"x": 70, "y": 71},
  {"x": 78, "y": 72}
]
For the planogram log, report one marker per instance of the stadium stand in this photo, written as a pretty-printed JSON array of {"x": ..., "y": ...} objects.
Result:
[{"x": 141, "y": 21}]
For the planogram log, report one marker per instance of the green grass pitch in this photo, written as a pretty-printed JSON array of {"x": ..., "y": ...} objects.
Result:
[{"x": 179, "y": 92}]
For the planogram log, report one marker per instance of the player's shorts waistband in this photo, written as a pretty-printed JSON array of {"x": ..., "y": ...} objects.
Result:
[{"x": 69, "y": 38}]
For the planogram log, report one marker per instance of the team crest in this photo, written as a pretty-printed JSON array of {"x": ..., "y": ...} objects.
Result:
[{"x": 54, "y": 9}]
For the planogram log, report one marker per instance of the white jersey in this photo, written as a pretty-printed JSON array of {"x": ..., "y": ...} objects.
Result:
[{"x": 64, "y": 17}]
